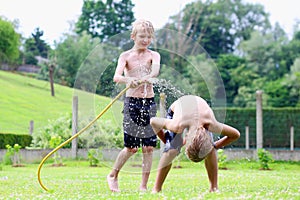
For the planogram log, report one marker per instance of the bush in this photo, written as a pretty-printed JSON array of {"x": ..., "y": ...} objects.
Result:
[
  {"x": 62, "y": 127},
  {"x": 12, "y": 155},
  {"x": 53, "y": 143},
  {"x": 12, "y": 139},
  {"x": 221, "y": 159},
  {"x": 93, "y": 158},
  {"x": 264, "y": 158},
  {"x": 101, "y": 134}
]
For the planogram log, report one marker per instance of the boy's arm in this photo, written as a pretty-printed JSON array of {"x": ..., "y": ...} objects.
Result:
[
  {"x": 155, "y": 65},
  {"x": 118, "y": 76},
  {"x": 158, "y": 125},
  {"x": 231, "y": 134},
  {"x": 161, "y": 136}
]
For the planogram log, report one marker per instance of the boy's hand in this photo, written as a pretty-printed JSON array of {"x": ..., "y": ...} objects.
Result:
[
  {"x": 148, "y": 80},
  {"x": 152, "y": 80},
  {"x": 133, "y": 82}
]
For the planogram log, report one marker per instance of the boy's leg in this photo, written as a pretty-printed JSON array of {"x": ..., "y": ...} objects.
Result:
[
  {"x": 164, "y": 167},
  {"x": 112, "y": 177},
  {"x": 147, "y": 163},
  {"x": 211, "y": 165}
]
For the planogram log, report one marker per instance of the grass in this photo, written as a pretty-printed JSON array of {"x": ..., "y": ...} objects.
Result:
[
  {"x": 23, "y": 99},
  {"x": 77, "y": 180}
]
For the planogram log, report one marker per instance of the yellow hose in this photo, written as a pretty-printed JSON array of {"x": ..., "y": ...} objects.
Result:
[{"x": 76, "y": 135}]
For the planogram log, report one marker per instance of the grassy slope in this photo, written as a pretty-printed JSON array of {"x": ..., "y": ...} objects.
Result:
[{"x": 23, "y": 99}]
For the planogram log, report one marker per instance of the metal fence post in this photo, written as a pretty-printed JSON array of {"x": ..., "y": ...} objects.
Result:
[{"x": 259, "y": 120}]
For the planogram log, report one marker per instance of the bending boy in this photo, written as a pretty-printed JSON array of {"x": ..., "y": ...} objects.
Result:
[{"x": 193, "y": 114}]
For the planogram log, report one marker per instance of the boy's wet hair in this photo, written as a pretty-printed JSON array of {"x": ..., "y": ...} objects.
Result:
[
  {"x": 142, "y": 24},
  {"x": 199, "y": 146}
]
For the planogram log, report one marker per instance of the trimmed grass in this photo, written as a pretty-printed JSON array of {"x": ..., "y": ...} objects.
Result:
[
  {"x": 77, "y": 180},
  {"x": 23, "y": 99}
]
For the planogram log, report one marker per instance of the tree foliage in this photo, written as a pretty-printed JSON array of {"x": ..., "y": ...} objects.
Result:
[
  {"x": 220, "y": 25},
  {"x": 9, "y": 42},
  {"x": 35, "y": 46},
  {"x": 103, "y": 19},
  {"x": 70, "y": 54},
  {"x": 237, "y": 36}
]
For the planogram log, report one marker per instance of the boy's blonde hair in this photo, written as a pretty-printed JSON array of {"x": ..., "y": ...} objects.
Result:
[
  {"x": 199, "y": 146},
  {"x": 142, "y": 24}
]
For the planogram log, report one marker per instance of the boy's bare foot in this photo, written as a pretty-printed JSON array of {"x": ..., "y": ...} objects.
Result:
[
  {"x": 214, "y": 190},
  {"x": 155, "y": 191},
  {"x": 143, "y": 189},
  {"x": 112, "y": 184}
]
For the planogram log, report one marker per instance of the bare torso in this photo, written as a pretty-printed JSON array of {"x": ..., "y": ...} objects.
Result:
[{"x": 138, "y": 65}]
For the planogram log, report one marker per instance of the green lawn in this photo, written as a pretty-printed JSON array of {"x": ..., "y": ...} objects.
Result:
[
  {"x": 243, "y": 180},
  {"x": 23, "y": 99}
]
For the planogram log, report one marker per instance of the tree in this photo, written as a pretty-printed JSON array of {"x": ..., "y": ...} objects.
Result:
[
  {"x": 220, "y": 25},
  {"x": 70, "y": 54},
  {"x": 227, "y": 63},
  {"x": 30, "y": 52},
  {"x": 278, "y": 93},
  {"x": 35, "y": 46},
  {"x": 263, "y": 53},
  {"x": 40, "y": 44},
  {"x": 9, "y": 42},
  {"x": 294, "y": 78},
  {"x": 291, "y": 51},
  {"x": 103, "y": 19}
]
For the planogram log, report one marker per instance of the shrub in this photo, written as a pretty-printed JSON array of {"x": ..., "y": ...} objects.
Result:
[
  {"x": 53, "y": 143},
  {"x": 221, "y": 159},
  {"x": 12, "y": 155},
  {"x": 101, "y": 134},
  {"x": 60, "y": 127},
  {"x": 264, "y": 158},
  {"x": 93, "y": 157},
  {"x": 11, "y": 139}
]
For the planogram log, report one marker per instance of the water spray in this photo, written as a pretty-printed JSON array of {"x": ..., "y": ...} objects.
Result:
[{"x": 76, "y": 135}]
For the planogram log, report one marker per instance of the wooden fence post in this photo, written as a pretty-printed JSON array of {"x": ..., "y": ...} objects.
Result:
[
  {"x": 31, "y": 126},
  {"x": 74, "y": 126}
]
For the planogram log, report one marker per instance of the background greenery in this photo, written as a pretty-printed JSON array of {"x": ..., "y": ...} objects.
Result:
[
  {"x": 24, "y": 99},
  {"x": 242, "y": 180},
  {"x": 249, "y": 52}
]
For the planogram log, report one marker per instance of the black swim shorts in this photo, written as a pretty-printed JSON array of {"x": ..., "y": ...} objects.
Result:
[
  {"x": 173, "y": 140},
  {"x": 136, "y": 122}
]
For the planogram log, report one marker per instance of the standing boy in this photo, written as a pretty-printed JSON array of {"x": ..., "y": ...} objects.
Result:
[{"x": 136, "y": 67}]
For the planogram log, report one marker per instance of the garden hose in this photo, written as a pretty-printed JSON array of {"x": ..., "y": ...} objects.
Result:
[{"x": 76, "y": 135}]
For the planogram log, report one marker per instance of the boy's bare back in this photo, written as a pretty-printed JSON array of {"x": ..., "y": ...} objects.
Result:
[{"x": 193, "y": 111}]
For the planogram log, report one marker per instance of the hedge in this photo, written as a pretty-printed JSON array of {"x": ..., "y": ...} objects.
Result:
[
  {"x": 12, "y": 139},
  {"x": 276, "y": 125}
]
